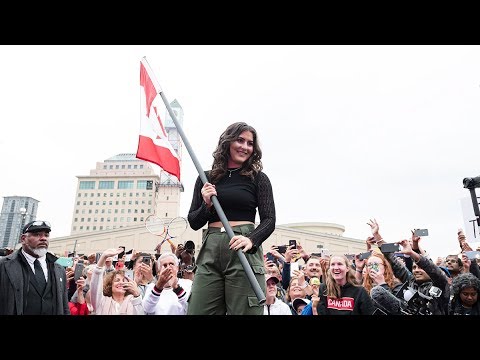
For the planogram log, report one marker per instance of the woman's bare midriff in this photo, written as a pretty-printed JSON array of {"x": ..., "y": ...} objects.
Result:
[{"x": 218, "y": 224}]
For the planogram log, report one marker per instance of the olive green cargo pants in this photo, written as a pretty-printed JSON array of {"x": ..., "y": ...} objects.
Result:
[{"x": 220, "y": 285}]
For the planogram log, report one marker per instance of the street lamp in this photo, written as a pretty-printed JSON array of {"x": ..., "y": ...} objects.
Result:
[
  {"x": 471, "y": 184},
  {"x": 23, "y": 212}
]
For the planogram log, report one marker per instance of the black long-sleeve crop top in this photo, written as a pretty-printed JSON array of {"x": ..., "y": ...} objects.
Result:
[{"x": 239, "y": 197}]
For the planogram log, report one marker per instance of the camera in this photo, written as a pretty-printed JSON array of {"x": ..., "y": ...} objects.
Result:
[
  {"x": 421, "y": 232},
  {"x": 78, "y": 269},
  {"x": 146, "y": 258},
  {"x": 471, "y": 183},
  {"x": 472, "y": 255},
  {"x": 414, "y": 302},
  {"x": 270, "y": 257},
  {"x": 185, "y": 268},
  {"x": 389, "y": 248},
  {"x": 189, "y": 246},
  {"x": 365, "y": 255}
]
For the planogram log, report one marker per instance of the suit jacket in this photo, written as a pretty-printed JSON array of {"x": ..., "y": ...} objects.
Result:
[{"x": 15, "y": 282}]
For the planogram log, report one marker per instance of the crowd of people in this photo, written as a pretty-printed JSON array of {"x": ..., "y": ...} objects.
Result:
[
  {"x": 397, "y": 277},
  {"x": 404, "y": 282}
]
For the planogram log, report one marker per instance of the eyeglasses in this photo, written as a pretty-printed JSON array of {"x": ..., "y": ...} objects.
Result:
[
  {"x": 37, "y": 223},
  {"x": 374, "y": 266}
]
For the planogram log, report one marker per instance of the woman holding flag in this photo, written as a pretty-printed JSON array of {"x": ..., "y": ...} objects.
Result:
[{"x": 221, "y": 285}]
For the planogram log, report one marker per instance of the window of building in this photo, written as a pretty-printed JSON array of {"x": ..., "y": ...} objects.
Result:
[
  {"x": 126, "y": 184},
  {"x": 87, "y": 185},
  {"x": 106, "y": 184}
]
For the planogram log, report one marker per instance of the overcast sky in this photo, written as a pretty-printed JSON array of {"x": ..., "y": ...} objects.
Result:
[{"x": 348, "y": 133}]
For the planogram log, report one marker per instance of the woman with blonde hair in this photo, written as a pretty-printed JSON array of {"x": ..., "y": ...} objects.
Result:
[{"x": 340, "y": 294}]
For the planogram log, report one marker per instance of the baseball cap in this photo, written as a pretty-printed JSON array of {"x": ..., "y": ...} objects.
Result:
[
  {"x": 272, "y": 276},
  {"x": 299, "y": 301},
  {"x": 37, "y": 225}
]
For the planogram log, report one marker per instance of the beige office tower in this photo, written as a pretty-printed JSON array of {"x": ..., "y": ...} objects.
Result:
[{"x": 123, "y": 191}]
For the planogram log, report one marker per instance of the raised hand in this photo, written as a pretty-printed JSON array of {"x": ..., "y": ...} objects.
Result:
[{"x": 374, "y": 226}]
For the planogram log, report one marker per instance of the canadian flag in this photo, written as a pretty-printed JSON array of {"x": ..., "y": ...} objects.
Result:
[{"x": 153, "y": 144}]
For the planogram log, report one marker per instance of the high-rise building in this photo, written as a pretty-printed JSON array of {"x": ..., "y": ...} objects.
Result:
[
  {"x": 123, "y": 191},
  {"x": 16, "y": 212}
]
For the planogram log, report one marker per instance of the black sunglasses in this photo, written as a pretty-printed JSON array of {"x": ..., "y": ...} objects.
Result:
[{"x": 37, "y": 223}]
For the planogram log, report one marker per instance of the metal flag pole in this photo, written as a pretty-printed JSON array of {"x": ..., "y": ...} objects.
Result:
[{"x": 246, "y": 266}]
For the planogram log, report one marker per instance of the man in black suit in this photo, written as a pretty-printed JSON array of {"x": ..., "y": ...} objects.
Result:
[{"x": 31, "y": 283}]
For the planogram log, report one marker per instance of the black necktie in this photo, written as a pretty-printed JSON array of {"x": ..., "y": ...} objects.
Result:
[{"x": 39, "y": 275}]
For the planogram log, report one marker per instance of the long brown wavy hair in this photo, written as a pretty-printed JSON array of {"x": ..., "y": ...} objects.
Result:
[{"x": 251, "y": 167}]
